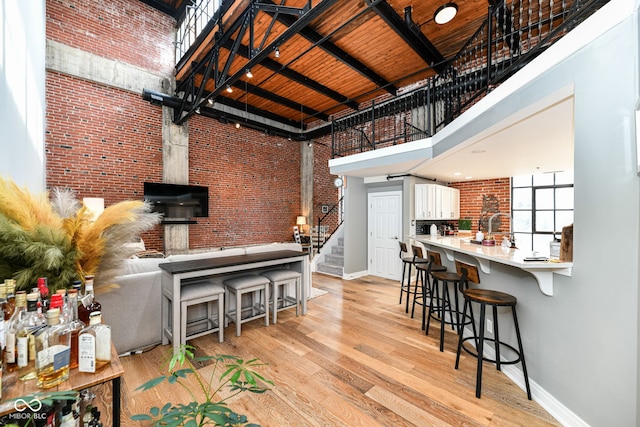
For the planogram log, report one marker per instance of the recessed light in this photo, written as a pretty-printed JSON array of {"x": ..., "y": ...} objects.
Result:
[
  {"x": 457, "y": 174},
  {"x": 478, "y": 151},
  {"x": 468, "y": 177}
]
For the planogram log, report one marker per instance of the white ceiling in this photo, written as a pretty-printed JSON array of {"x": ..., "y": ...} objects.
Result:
[{"x": 527, "y": 143}]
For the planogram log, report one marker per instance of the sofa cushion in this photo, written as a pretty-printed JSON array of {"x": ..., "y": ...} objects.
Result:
[
  {"x": 274, "y": 247},
  {"x": 204, "y": 255}
]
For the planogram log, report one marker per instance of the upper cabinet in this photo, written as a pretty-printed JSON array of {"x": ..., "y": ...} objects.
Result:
[{"x": 437, "y": 202}]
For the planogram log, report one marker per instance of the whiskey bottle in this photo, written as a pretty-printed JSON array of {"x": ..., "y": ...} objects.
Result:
[
  {"x": 94, "y": 345},
  {"x": 31, "y": 322},
  {"x": 10, "y": 355},
  {"x": 53, "y": 350},
  {"x": 11, "y": 298},
  {"x": 75, "y": 324},
  {"x": 88, "y": 304}
]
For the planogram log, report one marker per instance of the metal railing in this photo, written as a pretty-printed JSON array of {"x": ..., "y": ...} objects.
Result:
[
  {"x": 513, "y": 34},
  {"x": 330, "y": 222}
]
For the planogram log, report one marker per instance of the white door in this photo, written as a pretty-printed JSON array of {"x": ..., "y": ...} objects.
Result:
[{"x": 385, "y": 230}]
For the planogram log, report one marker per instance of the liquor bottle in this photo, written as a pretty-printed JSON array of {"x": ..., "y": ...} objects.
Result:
[
  {"x": 10, "y": 355},
  {"x": 31, "y": 322},
  {"x": 4, "y": 305},
  {"x": 11, "y": 298},
  {"x": 53, "y": 344},
  {"x": 88, "y": 303},
  {"x": 75, "y": 324},
  {"x": 43, "y": 289},
  {"x": 94, "y": 345}
]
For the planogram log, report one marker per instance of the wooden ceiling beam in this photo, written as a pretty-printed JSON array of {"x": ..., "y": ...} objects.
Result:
[
  {"x": 297, "y": 77},
  {"x": 280, "y": 100},
  {"x": 338, "y": 53},
  {"x": 410, "y": 33}
]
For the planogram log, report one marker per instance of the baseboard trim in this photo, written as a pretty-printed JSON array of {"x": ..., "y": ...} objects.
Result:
[
  {"x": 550, "y": 404},
  {"x": 353, "y": 276}
]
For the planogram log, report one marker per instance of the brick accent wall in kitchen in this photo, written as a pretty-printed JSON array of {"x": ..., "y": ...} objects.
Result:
[{"x": 471, "y": 199}]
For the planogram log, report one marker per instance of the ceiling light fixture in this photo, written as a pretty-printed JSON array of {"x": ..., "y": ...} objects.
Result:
[
  {"x": 210, "y": 101},
  {"x": 445, "y": 13},
  {"x": 229, "y": 89},
  {"x": 277, "y": 53},
  {"x": 249, "y": 74}
]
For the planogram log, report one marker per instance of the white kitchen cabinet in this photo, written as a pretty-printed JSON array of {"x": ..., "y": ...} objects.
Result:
[{"x": 436, "y": 202}]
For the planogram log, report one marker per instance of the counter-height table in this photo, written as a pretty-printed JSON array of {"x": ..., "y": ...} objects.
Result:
[
  {"x": 543, "y": 271},
  {"x": 174, "y": 273}
]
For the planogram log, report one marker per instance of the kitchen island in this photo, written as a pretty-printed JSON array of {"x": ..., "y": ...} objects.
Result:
[{"x": 542, "y": 271}]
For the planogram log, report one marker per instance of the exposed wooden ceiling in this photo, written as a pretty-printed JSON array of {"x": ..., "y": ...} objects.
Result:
[{"x": 334, "y": 57}]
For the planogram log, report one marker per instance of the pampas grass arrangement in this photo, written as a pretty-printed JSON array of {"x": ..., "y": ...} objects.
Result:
[{"x": 56, "y": 238}]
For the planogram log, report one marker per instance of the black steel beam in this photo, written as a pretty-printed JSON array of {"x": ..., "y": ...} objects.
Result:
[
  {"x": 262, "y": 55},
  {"x": 316, "y": 38},
  {"x": 411, "y": 35},
  {"x": 262, "y": 93},
  {"x": 298, "y": 77}
]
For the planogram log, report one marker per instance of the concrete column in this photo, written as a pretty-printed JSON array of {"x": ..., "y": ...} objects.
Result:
[
  {"x": 306, "y": 182},
  {"x": 175, "y": 170}
]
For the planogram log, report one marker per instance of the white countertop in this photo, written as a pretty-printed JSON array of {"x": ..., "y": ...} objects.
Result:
[{"x": 541, "y": 270}]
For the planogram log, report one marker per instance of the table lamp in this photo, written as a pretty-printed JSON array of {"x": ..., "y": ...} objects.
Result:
[{"x": 301, "y": 221}]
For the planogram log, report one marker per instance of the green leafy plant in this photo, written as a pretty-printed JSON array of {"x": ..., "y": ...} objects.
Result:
[{"x": 237, "y": 374}]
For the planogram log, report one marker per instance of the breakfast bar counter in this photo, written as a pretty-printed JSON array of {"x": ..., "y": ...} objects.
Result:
[{"x": 543, "y": 271}]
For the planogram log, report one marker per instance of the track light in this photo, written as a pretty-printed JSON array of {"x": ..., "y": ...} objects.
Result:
[
  {"x": 277, "y": 53},
  {"x": 445, "y": 13},
  {"x": 229, "y": 89},
  {"x": 249, "y": 74},
  {"x": 210, "y": 101}
]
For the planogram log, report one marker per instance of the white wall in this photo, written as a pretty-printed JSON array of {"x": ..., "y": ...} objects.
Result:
[{"x": 22, "y": 92}]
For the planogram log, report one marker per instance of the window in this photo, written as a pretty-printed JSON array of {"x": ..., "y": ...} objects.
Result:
[
  {"x": 540, "y": 206},
  {"x": 196, "y": 17}
]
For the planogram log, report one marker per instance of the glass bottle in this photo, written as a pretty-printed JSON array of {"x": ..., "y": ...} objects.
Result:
[
  {"x": 88, "y": 303},
  {"x": 11, "y": 298},
  {"x": 10, "y": 355},
  {"x": 94, "y": 345},
  {"x": 31, "y": 322},
  {"x": 53, "y": 347},
  {"x": 43, "y": 288},
  {"x": 75, "y": 324},
  {"x": 4, "y": 305}
]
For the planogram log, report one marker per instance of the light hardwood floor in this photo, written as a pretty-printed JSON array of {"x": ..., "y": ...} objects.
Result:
[{"x": 356, "y": 359}]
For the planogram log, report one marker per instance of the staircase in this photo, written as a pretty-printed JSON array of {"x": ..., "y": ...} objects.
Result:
[{"x": 333, "y": 263}]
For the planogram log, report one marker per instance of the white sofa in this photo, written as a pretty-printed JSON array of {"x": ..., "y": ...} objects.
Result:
[{"x": 132, "y": 305}]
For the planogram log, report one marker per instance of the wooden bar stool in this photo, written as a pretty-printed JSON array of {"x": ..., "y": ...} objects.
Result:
[
  {"x": 284, "y": 278},
  {"x": 423, "y": 270},
  {"x": 415, "y": 261},
  {"x": 495, "y": 299},
  {"x": 201, "y": 293},
  {"x": 239, "y": 286},
  {"x": 440, "y": 302}
]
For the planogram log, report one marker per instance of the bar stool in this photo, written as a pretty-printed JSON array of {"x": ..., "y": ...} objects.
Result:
[
  {"x": 423, "y": 270},
  {"x": 407, "y": 261},
  {"x": 440, "y": 303},
  {"x": 414, "y": 261},
  {"x": 202, "y": 293},
  {"x": 494, "y": 299},
  {"x": 239, "y": 286},
  {"x": 284, "y": 278}
]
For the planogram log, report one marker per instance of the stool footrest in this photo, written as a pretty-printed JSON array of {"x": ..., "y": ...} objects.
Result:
[{"x": 474, "y": 353}]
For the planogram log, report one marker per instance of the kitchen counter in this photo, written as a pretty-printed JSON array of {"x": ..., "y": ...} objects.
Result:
[{"x": 543, "y": 271}]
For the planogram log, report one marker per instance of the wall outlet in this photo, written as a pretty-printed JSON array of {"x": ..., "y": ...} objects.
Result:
[{"x": 490, "y": 326}]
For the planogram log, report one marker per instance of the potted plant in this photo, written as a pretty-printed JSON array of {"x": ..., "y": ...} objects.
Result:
[
  {"x": 464, "y": 226},
  {"x": 237, "y": 374}
]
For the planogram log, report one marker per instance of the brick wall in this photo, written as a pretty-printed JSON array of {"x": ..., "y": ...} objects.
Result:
[
  {"x": 471, "y": 199},
  {"x": 123, "y": 30},
  {"x": 105, "y": 142}
]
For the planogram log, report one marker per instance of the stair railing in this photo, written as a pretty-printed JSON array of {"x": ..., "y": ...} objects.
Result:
[{"x": 333, "y": 219}]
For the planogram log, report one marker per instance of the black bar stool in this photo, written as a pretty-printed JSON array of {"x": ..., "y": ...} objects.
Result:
[
  {"x": 441, "y": 302},
  {"x": 494, "y": 299},
  {"x": 411, "y": 262},
  {"x": 423, "y": 269}
]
